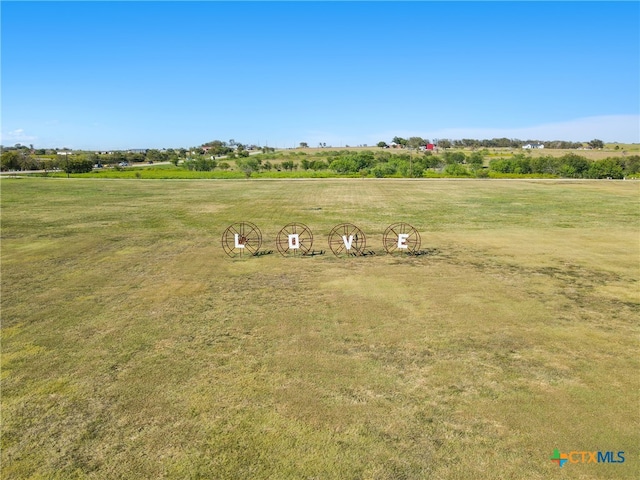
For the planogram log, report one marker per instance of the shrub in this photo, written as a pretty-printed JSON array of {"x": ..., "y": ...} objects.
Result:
[
  {"x": 201, "y": 164},
  {"x": 77, "y": 165},
  {"x": 456, "y": 170},
  {"x": 607, "y": 168}
]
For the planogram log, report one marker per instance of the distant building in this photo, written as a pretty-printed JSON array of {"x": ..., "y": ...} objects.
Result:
[{"x": 530, "y": 146}]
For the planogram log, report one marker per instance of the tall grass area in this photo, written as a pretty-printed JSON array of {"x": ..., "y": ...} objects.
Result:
[{"x": 133, "y": 347}]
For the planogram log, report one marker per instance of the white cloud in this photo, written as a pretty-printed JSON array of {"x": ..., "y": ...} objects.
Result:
[{"x": 17, "y": 136}]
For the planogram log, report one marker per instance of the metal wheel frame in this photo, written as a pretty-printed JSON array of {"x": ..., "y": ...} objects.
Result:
[
  {"x": 249, "y": 235},
  {"x": 337, "y": 243},
  {"x": 305, "y": 239},
  {"x": 390, "y": 238}
]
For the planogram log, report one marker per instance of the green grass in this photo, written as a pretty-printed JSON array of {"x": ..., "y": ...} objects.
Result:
[
  {"x": 169, "y": 172},
  {"x": 133, "y": 347}
]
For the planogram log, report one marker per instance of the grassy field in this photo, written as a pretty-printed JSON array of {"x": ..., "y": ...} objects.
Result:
[{"x": 133, "y": 347}]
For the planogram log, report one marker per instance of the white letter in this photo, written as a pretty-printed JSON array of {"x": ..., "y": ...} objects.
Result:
[
  {"x": 294, "y": 241},
  {"x": 402, "y": 240},
  {"x": 347, "y": 243},
  {"x": 238, "y": 245}
]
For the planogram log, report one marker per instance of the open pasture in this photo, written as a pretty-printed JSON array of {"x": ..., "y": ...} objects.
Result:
[{"x": 133, "y": 347}]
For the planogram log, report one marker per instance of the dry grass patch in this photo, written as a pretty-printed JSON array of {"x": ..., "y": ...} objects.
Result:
[{"x": 132, "y": 347}]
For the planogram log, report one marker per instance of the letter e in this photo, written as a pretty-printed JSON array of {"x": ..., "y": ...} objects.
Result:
[{"x": 402, "y": 240}]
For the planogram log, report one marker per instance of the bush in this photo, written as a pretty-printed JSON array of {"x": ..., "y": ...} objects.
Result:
[
  {"x": 343, "y": 165},
  {"x": 384, "y": 170},
  {"x": 248, "y": 165},
  {"x": 77, "y": 165},
  {"x": 631, "y": 164},
  {"x": 201, "y": 164},
  {"x": 573, "y": 166},
  {"x": 456, "y": 170},
  {"x": 454, "y": 157},
  {"x": 607, "y": 168}
]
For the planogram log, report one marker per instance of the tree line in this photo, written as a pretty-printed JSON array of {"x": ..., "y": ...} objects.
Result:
[
  {"x": 449, "y": 163},
  {"x": 417, "y": 142},
  {"x": 379, "y": 163},
  {"x": 568, "y": 166}
]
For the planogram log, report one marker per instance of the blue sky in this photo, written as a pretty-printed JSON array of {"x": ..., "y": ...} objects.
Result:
[{"x": 118, "y": 75}]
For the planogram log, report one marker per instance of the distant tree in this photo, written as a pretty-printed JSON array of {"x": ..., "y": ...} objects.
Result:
[
  {"x": 49, "y": 163},
  {"x": 475, "y": 160},
  {"x": 400, "y": 141},
  {"x": 382, "y": 144},
  {"x": 344, "y": 165},
  {"x": 631, "y": 164},
  {"x": 304, "y": 145},
  {"x": 288, "y": 165},
  {"x": 416, "y": 142},
  {"x": 456, "y": 170},
  {"x": 10, "y": 160},
  {"x": 248, "y": 165},
  {"x": 595, "y": 143},
  {"x": 454, "y": 157},
  {"x": 444, "y": 143},
  {"x": 135, "y": 157},
  {"x": 573, "y": 166},
  {"x": 319, "y": 165},
  {"x": 605, "y": 168},
  {"x": 154, "y": 155},
  {"x": 79, "y": 164},
  {"x": 218, "y": 147},
  {"x": 20, "y": 159},
  {"x": 241, "y": 151}
]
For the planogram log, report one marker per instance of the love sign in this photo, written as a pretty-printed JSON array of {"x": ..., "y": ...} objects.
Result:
[{"x": 296, "y": 239}]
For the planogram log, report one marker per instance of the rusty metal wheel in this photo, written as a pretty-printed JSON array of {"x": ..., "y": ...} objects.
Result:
[
  {"x": 294, "y": 239},
  {"x": 401, "y": 238},
  {"x": 347, "y": 239},
  {"x": 243, "y": 238}
]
